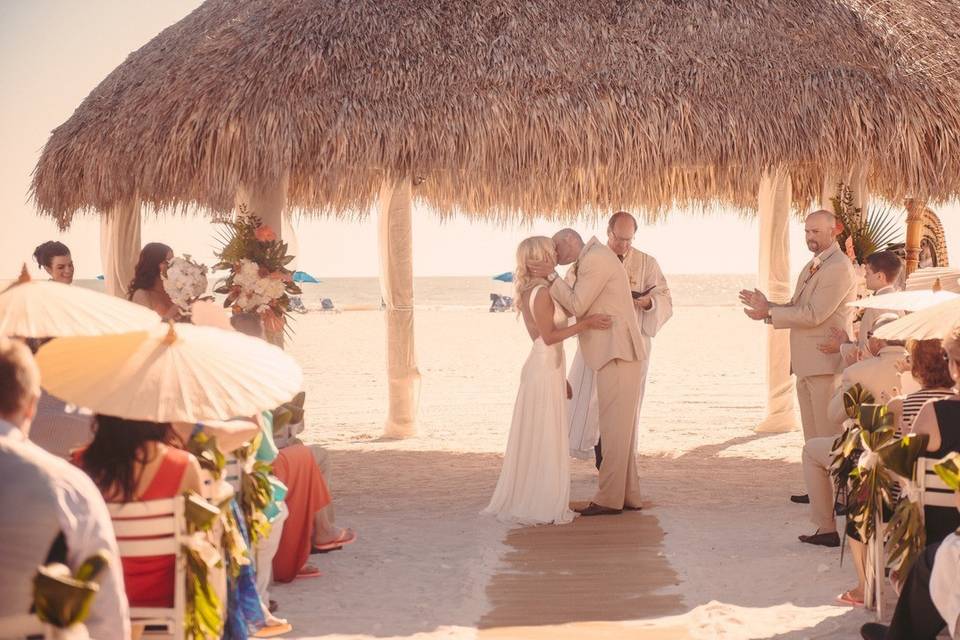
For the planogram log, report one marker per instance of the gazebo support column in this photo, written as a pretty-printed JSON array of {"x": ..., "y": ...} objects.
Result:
[
  {"x": 915, "y": 214},
  {"x": 120, "y": 246},
  {"x": 396, "y": 285},
  {"x": 266, "y": 199},
  {"x": 774, "y": 200}
]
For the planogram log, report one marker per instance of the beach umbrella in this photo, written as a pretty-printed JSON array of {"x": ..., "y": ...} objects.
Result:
[
  {"x": 906, "y": 300},
  {"x": 180, "y": 373},
  {"x": 506, "y": 276},
  {"x": 929, "y": 324},
  {"x": 303, "y": 276},
  {"x": 47, "y": 309}
]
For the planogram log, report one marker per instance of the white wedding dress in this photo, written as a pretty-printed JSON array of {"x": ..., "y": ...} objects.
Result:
[{"x": 534, "y": 484}]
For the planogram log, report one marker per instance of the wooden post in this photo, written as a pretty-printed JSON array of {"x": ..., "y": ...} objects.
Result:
[
  {"x": 915, "y": 215},
  {"x": 396, "y": 286}
]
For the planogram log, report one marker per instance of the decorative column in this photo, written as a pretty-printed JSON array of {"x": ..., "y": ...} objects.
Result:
[
  {"x": 915, "y": 214},
  {"x": 120, "y": 246},
  {"x": 773, "y": 211},
  {"x": 396, "y": 286}
]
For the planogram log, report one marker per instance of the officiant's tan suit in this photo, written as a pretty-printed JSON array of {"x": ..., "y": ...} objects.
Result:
[
  {"x": 825, "y": 286},
  {"x": 616, "y": 354}
]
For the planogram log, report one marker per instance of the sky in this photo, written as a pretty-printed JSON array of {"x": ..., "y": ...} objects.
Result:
[{"x": 54, "y": 52}]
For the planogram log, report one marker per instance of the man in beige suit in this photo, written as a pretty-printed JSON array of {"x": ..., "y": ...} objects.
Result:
[
  {"x": 819, "y": 304},
  {"x": 616, "y": 355}
]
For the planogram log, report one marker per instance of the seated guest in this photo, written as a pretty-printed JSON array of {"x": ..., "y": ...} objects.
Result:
[
  {"x": 137, "y": 461},
  {"x": 929, "y": 368},
  {"x": 146, "y": 288},
  {"x": 54, "y": 258},
  {"x": 929, "y": 596},
  {"x": 881, "y": 272},
  {"x": 54, "y": 513},
  {"x": 308, "y": 527},
  {"x": 879, "y": 375},
  {"x": 940, "y": 420}
]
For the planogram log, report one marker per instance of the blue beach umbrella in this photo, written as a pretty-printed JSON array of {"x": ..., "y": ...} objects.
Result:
[
  {"x": 303, "y": 276},
  {"x": 100, "y": 277},
  {"x": 507, "y": 276}
]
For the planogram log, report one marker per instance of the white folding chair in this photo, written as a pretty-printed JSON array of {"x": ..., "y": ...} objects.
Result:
[
  {"x": 232, "y": 473},
  {"x": 934, "y": 492},
  {"x": 155, "y": 528}
]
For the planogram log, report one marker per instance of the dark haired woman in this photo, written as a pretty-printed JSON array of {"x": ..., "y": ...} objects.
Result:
[
  {"x": 146, "y": 288},
  {"x": 137, "y": 461},
  {"x": 54, "y": 258}
]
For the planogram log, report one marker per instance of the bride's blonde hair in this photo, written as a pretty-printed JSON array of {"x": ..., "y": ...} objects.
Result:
[{"x": 533, "y": 248}]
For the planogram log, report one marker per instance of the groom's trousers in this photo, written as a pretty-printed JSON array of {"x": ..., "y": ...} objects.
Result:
[{"x": 618, "y": 395}]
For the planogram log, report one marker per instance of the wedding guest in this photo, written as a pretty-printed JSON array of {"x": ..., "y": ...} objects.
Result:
[
  {"x": 940, "y": 420},
  {"x": 878, "y": 376},
  {"x": 50, "y": 511},
  {"x": 146, "y": 288},
  {"x": 881, "y": 274},
  {"x": 308, "y": 527},
  {"x": 54, "y": 258},
  {"x": 819, "y": 303},
  {"x": 137, "y": 461},
  {"x": 928, "y": 366},
  {"x": 929, "y": 599}
]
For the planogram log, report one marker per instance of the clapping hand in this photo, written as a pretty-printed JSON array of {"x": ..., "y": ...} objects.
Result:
[{"x": 757, "y": 302}]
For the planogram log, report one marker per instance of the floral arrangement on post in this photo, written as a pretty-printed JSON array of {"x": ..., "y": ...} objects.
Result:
[
  {"x": 259, "y": 281},
  {"x": 185, "y": 282},
  {"x": 62, "y": 598}
]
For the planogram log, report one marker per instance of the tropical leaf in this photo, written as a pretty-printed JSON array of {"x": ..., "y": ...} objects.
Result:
[{"x": 948, "y": 469}]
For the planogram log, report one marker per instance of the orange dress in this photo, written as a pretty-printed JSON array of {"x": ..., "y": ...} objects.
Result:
[
  {"x": 149, "y": 579},
  {"x": 307, "y": 493}
]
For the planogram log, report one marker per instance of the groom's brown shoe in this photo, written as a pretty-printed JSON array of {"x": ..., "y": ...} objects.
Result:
[{"x": 594, "y": 509}]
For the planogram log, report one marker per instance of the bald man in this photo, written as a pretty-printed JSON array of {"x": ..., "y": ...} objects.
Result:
[{"x": 819, "y": 304}]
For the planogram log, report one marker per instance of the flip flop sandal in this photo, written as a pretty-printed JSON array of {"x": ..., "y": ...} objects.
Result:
[
  {"x": 273, "y": 631},
  {"x": 309, "y": 573},
  {"x": 846, "y": 598},
  {"x": 345, "y": 538}
]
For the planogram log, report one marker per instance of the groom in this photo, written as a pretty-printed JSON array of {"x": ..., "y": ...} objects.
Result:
[{"x": 616, "y": 355}]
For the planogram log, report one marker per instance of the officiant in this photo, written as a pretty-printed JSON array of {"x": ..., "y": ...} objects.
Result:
[{"x": 653, "y": 305}]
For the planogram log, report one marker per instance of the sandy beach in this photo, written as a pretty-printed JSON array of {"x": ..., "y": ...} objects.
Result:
[{"x": 713, "y": 555}]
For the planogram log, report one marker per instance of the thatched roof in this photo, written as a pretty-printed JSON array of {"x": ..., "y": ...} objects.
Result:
[{"x": 518, "y": 107}]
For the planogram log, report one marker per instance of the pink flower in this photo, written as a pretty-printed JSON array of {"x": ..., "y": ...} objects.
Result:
[
  {"x": 848, "y": 248},
  {"x": 279, "y": 275},
  {"x": 264, "y": 234}
]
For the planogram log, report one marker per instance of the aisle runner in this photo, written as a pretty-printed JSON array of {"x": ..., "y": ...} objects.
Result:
[{"x": 601, "y": 569}]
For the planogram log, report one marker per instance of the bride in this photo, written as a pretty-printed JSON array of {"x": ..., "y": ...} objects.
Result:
[{"x": 534, "y": 484}]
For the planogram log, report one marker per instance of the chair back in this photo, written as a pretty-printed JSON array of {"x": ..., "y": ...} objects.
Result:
[
  {"x": 155, "y": 528},
  {"x": 934, "y": 492}
]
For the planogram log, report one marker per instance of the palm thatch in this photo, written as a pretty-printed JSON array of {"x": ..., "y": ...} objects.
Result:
[{"x": 515, "y": 108}]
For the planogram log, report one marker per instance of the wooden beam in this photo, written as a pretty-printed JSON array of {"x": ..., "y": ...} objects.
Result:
[{"x": 915, "y": 214}]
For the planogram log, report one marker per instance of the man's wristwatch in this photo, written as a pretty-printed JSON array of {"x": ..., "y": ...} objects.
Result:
[
  {"x": 551, "y": 276},
  {"x": 768, "y": 319}
]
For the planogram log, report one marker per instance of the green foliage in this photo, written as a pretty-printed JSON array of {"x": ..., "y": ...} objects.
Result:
[
  {"x": 948, "y": 469},
  {"x": 62, "y": 598},
  {"x": 876, "y": 231},
  {"x": 203, "y": 607}
]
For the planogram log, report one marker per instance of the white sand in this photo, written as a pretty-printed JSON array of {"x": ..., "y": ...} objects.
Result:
[{"x": 424, "y": 557}]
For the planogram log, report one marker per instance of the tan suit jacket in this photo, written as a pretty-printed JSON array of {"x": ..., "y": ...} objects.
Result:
[
  {"x": 879, "y": 376},
  {"x": 819, "y": 303},
  {"x": 602, "y": 287}
]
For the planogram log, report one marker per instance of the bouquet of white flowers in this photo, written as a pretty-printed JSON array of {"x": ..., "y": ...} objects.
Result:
[
  {"x": 257, "y": 292},
  {"x": 185, "y": 282}
]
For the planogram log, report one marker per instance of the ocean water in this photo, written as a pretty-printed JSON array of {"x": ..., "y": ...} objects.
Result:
[{"x": 474, "y": 292}]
